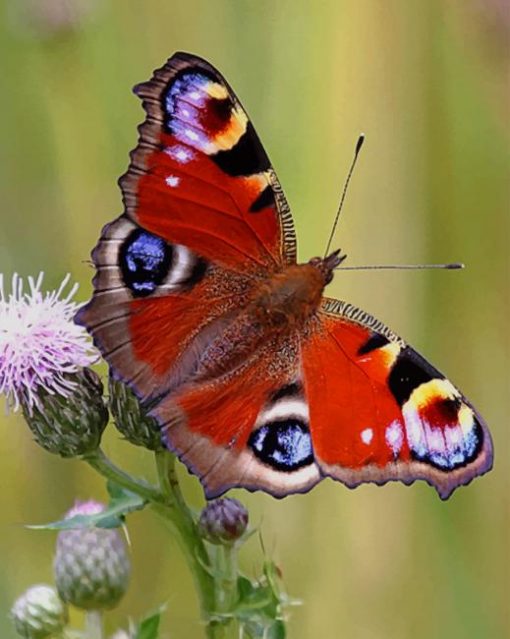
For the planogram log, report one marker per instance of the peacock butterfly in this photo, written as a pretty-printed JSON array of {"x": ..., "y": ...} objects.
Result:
[{"x": 256, "y": 379}]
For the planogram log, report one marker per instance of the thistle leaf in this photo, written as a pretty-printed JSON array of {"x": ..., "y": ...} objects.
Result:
[
  {"x": 122, "y": 502},
  {"x": 149, "y": 627}
]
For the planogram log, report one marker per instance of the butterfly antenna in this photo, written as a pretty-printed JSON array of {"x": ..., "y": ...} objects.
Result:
[
  {"x": 382, "y": 267},
  {"x": 359, "y": 144}
]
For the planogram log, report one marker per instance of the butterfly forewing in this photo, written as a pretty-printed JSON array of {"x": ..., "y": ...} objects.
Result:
[
  {"x": 205, "y": 218},
  {"x": 200, "y": 175}
]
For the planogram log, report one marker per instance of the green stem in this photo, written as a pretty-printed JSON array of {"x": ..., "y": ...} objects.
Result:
[
  {"x": 100, "y": 462},
  {"x": 179, "y": 518},
  {"x": 94, "y": 624},
  {"x": 167, "y": 501},
  {"x": 225, "y": 560}
]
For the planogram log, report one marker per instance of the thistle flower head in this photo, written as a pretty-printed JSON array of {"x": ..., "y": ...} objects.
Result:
[
  {"x": 223, "y": 521},
  {"x": 39, "y": 613},
  {"x": 39, "y": 343},
  {"x": 92, "y": 565}
]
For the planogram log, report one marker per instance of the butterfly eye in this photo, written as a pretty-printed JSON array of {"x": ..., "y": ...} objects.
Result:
[
  {"x": 284, "y": 445},
  {"x": 144, "y": 260}
]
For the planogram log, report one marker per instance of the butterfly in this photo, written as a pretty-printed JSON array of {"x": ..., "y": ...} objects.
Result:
[{"x": 255, "y": 377}]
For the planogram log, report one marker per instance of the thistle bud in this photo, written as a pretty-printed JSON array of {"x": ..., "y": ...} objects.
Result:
[
  {"x": 131, "y": 419},
  {"x": 91, "y": 565},
  {"x": 39, "y": 613},
  {"x": 223, "y": 521},
  {"x": 69, "y": 425}
]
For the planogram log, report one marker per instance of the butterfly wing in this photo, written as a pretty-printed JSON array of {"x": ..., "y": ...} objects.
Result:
[
  {"x": 204, "y": 218},
  {"x": 200, "y": 176},
  {"x": 248, "y": 429},
  {"x": 379, "y": 411}
]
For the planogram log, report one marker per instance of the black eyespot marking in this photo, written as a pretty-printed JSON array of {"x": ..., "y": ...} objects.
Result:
[
  {"x": 408, "y": 372},
  {"x": 144, "y": 261},
  {"x": 448, "y": 409},
  {"x": 375, "y": 341},
  {"x": 290, "y": 390},
  {"x": 217, "y": 114},
  {"x": 265, "y": 199},
  {"x": 247, "y": 157},
  {"x": 283, "y": 445}
]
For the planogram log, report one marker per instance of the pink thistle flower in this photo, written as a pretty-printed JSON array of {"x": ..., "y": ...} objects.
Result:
[
  {"x": 39, "y": 343},
  {"x": 89, "y": 507}
]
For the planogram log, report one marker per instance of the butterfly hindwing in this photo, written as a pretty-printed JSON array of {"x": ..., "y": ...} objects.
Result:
[
  {"x": 380, "y": 412},
  {"x": 246, "y": 429}
]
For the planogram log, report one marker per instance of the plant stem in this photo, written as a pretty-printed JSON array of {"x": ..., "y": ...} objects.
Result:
[
  {"x": 94, "y": 624},
  {"x": 167, "y": 501},
  {"x": 100, "y": 462},
  {"x": 225, "y": 560},
  {"x": 178, "y": 516}
]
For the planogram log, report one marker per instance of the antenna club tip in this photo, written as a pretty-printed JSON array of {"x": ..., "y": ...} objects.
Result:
[
  {"x": 359, "y": 143},
  {"x": 455, "y": 266}
]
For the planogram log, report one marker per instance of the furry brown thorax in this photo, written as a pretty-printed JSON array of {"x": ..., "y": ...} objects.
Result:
[
  {"x": 281, "y": 305},
  {"x": 287, "y": 299}
]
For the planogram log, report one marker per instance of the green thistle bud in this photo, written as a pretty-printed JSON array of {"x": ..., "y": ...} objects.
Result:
[
  {"x": 91, "y": 565},
  {"x": 223, "y": 521},
  {"x": 39, "y": 613},
  {"x": 71, "y": 424},
  {"x": 131, "y": 419}
]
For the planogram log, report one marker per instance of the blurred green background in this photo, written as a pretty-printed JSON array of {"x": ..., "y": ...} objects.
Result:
[{"x": 427, "y": 83}]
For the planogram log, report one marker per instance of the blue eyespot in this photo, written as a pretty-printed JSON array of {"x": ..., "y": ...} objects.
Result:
[
  {"x": 284, "y": 445},
  {"x": 144, "y": 261}
]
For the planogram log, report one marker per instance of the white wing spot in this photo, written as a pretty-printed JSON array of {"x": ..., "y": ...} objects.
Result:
[
  {"x": 172, "y": 180},
  {"x": 367, "y": 435},
  {"x": 179, "y": 153},
  {"x": 395, "y": 437}
]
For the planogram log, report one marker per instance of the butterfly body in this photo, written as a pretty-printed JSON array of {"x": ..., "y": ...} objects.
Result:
[
  {"x": 289, "y": 298},
  {"x": 255, "y": 377}
]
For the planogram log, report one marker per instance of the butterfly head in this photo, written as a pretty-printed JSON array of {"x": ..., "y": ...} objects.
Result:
[{"x": 326, "y": 265}]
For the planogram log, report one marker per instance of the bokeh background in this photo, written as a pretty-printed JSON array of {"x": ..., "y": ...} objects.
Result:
[{"x": 427, "y": 83}]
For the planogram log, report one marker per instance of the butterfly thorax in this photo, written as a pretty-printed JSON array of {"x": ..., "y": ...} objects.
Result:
[
  {"x": 286, "y": 300},
  {"x": 281, "y": 305}
]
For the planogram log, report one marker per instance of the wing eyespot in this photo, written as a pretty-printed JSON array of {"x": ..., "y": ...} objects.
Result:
[
  {"x": 284, "y": 445},
  {"x": 144, "y": 261}
]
